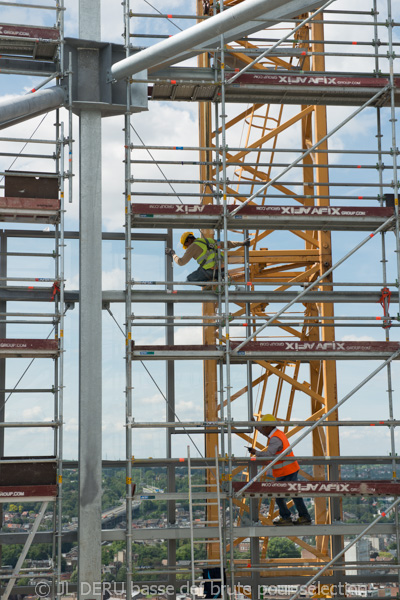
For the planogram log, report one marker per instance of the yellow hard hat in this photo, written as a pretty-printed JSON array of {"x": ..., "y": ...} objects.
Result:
[
  {"x": 185, "y": 237},
  {"x": 268, "y": 417},
  {"x": 326, "y": 592}
]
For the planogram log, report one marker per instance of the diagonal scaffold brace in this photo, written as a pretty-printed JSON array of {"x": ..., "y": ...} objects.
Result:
[{"x": 313, "y": 284}]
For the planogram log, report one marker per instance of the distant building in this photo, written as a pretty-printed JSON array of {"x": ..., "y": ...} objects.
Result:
[{"x": 359, "y": 552}]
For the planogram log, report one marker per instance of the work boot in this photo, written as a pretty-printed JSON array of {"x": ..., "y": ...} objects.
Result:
[
  {"x": 282, "y": 521},
  {"x": 306, "y": 520}
]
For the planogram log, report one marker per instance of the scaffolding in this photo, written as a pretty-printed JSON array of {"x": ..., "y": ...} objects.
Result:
[
  {"x": 268, "y": 166},
  {"x": 32, "y": 270},
  {"x": 282, "y": 195}
]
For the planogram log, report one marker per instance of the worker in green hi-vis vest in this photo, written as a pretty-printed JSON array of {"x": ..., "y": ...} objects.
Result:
[{"x": 205, "y": 252}]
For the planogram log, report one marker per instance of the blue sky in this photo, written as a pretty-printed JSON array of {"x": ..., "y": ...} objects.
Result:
[{"x": 176, "y": 124}]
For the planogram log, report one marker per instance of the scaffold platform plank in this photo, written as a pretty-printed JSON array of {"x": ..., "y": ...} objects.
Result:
[
  {"x": 277, "y": 489},
  {"x": 272, "y": 350},
  {"x": 28, "y": 493},
  {"x": 182, "y": 216},
  {"x": 29, "y": 210},
  {"x": 40, "y": 43},
  {"x": 27, "y": 471},
  {"x": 19, "y": 348},
  {"x": 28, "y": 479},
  {"x": 329, "y": 89}
]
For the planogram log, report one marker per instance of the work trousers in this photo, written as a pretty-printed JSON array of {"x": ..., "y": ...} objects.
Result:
[
  {"x": 298, "y": 502},
  {"x": 204, "y": 275}
]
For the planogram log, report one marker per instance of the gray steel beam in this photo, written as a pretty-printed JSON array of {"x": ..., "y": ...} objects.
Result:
[
  {"x": 74, "y": 235},
  {"x": 144, "y": 353},
  {"x": 25, "y": 107},
  {"x": 180, "y": 533},
  {"x": 90, "y": 313},
  {"x": 269, "y": 296},
  {"x": 237, "y": 22},
  {"x": 21, "y": 294},
  {"x": 312, "y": 460}
]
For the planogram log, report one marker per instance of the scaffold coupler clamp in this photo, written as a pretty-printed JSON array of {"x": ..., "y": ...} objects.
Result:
[
  {"x": 385, "y": 303},
  {"x": 55, "y": 290}
]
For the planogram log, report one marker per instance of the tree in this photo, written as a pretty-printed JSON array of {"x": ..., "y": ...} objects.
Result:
[
  {"x": 40, "y": 552},
  {"x": 13, "y": 508},
  {"x": 184, "y": 552},
  {"x": 282, "y": 548},
  {"x": 74, "y": 576},
  {"x": 107, "y": 555},
  {"x": 10, "y": 554},
  {"x": 121, "y": 575}
]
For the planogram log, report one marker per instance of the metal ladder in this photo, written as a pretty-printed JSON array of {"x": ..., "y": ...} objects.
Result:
[{"x": 210, "y": 498}]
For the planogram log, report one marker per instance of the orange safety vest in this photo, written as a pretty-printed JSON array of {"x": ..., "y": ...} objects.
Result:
[{"x": 284, "y": 467}]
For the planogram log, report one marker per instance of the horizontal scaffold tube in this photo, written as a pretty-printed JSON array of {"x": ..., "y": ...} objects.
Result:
[
  {"x": 30, "y": 105},
  {"x": 235, "y": 23}
]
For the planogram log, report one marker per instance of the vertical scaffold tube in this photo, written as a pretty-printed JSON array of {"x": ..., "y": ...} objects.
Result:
[
  {"x": 128, "y": 310},
  {"x": 60, "y": 252},
  {"x": 226, "y": 311},
  {"x": 394, "y": 149}
]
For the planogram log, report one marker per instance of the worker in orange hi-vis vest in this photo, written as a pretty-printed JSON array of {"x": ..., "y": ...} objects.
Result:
[{"x": 286, "y": 469}]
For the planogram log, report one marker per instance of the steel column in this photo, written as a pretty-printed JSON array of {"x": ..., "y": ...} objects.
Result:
[{"x": 90, "y": 315}]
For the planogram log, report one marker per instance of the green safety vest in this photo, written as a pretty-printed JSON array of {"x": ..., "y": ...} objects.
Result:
[{"x": 208, "y": 257}]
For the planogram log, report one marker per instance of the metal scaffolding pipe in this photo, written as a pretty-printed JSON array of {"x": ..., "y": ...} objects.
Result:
[
  {"x": 26, "y": 107},
  {"x": 235, "y": 23}
]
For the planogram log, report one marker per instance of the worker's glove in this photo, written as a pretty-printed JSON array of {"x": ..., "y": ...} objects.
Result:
[
  {"x": 251, "y": 450},
  {"x": 169, "y": 251},
  {"x": 247, "y": 242}
]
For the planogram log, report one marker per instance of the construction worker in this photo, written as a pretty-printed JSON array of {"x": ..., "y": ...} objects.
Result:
[
  {"x": 283, "y": 470},
  {"x": 205, "y": 252}
]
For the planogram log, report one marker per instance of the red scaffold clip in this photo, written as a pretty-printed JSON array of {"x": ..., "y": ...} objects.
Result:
[
  {"x": 55, "y": 290},
  {"x": 385, "y": 302}
]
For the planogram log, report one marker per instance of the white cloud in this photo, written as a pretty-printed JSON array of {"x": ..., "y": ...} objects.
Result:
[
  {"x": 114, "y": 280},
  {"x": 357, "y": 338},
  {"x": 182, "y": 336},
  {"x": 71, "y": 425},
  {"x": 111, "y": 425},
  {"x": 33, "y": 413}
]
